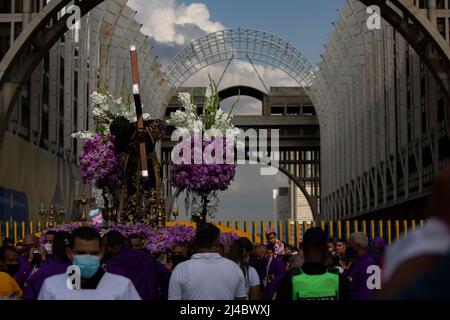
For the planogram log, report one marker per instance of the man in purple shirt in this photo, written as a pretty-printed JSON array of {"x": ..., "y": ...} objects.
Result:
[
  {"x": 357, "y": 274},
  {"x": 30, "y": 260},
  {"x": 268, "y": 266},
  {"x": 56, "y": 265},
  {"x": 150, "y": 278}
]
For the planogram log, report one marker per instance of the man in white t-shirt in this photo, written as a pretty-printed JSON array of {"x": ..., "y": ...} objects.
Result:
[
  {"x": 207, "y": 276},
  {"x": 94, "y": 283}
]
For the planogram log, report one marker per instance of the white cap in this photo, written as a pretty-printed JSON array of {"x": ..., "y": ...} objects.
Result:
[{"x": 133, "y": 48}]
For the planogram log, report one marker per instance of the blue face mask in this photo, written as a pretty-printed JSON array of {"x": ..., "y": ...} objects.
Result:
[{"x": 88, "y": 264}]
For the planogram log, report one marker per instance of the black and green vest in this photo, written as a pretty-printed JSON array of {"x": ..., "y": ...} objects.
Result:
[{"x": 315, "y": 287}]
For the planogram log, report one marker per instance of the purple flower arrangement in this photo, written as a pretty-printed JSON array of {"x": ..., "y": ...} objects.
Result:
[
  {"x": 156, "y": 240},
  {"x": 98, "y": 162},
  {"x": 203, "y": 177}
]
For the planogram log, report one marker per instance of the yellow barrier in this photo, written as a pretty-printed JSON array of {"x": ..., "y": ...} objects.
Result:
[{"x": 288, "y": 231}]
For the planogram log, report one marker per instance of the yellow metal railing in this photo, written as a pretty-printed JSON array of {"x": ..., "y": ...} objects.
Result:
[{"x": 288, "y": 231}]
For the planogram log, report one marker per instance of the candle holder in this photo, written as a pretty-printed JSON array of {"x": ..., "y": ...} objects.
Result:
[
  {"x": 82, "y": 203},
  {"x": 174, "y": 210},
  {"x": 52, "y": 216}
]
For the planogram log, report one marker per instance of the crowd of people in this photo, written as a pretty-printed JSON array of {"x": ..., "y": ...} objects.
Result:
[
  {"x": 112, "y": 266},
  {"x": 116, "y": 267}
]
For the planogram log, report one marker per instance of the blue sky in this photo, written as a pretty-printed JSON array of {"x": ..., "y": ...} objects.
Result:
[{"x": 305, "y": 23}]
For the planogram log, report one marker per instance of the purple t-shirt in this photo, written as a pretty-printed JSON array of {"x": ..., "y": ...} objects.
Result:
[{"x": 357, "y": 277}]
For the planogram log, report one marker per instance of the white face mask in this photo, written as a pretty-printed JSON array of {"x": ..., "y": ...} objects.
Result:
[{"x": 48, "y": 247}]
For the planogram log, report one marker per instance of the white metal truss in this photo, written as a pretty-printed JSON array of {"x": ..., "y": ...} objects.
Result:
[{"x": 240, "y": 44}]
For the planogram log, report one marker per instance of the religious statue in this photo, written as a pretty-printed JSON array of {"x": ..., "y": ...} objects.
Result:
[{"x": 141, "y": 198}]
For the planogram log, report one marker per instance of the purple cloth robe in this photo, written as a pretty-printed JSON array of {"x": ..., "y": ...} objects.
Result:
[
  {"x": 24, "y": 272},
  {"x": 357, "y": 277},
  {"x": 149, "y": 277},
  {"x": 272, "y": 288},
  {"x": 49, "y": 268},
  {"x": 276, "y": 268}
]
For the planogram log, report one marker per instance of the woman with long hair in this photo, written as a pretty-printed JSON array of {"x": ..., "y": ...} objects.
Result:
[{"x": 240, "y": 252}]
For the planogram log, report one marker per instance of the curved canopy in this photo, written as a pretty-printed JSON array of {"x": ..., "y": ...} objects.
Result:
[{"x": 248, "y": 44}]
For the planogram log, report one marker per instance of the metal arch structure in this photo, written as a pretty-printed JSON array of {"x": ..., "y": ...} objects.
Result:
[
  {"x": 243, "y": 44},
  {"x": 27, "y": 51},
  {"x": 36, "y": 40}
]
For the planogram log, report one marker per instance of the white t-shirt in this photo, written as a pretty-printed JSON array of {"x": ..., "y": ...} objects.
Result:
[
  {"x": 207, "y": 276},
  {"x": 433, "y": 238},
  {"x": 110, "y": 287},
  {"x": 252, "y": 279}
]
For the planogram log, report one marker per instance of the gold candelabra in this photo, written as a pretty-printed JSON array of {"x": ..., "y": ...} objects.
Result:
[
  {"x": 82, "y": 203},
  {"x": 52, "y": 216}
]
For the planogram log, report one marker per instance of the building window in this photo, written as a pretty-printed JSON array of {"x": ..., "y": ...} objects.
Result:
[
  {"x": 61, "y": 134},
  {"x": 46, "y": 91},
  {"x": 309, "y": 111},
  {"x": 449, "y": 29},
  {"x": 277, "y": 110},
  {"x": 18, "y": 7},
  {"x": 17, "y": 29},
  {"x": 5, "y": 6},
  {"x": 441, "y": 26},
  {"x": 35, "y": 6},
  {"x": 25, "y": 116},
  {"x": 5, "y": 38},
  {"x": 293, "y": 110},
  {"x": 423, "y": 4},
  {"x": 61, "y": 71},
  {"x": 440, "y": 4}
]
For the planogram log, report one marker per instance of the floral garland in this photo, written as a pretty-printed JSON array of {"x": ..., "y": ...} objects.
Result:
[
  {"x": 98, "y": 162},
  {"x": 156, "y": 240}
]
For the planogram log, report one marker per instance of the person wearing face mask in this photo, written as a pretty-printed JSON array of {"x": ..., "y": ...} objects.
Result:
[
  {"x": 240, "y": 252},
  {"x": 95, "y": 283},
  {"x": 56, "y": 265},
  {"x": 9, "y": 263},
  {"x": 357, "y": 274},
  {"x": 48, "y": 245}
]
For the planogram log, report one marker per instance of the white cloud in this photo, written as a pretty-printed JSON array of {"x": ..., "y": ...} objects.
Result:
[
  {"x": 163, "y": 19},
  {"x": 197, "y": 14},
  {"x": 241, "y": 72}
]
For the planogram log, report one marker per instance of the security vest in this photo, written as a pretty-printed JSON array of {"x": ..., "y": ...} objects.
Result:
[{"x": 315, "y": 287}]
